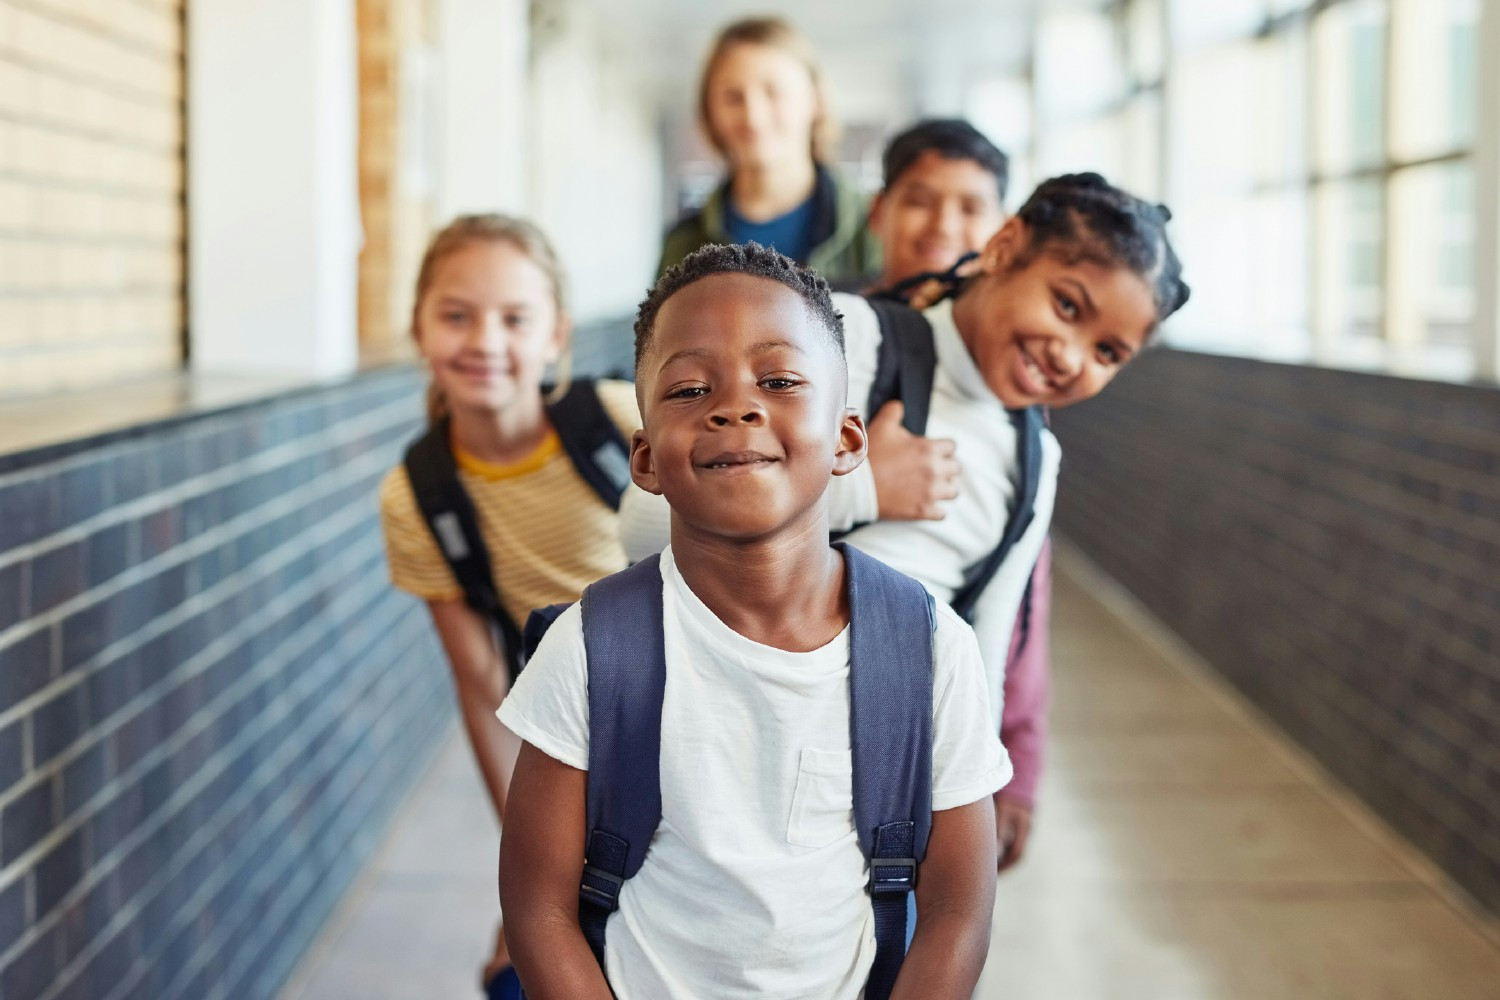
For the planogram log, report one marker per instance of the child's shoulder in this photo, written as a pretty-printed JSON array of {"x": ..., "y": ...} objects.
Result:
[
  {"x": 862, "y": 334},
  {"x": 548, "y": 705},
  {"x": 856, "y": 310},
  {"x": 397, "y": 501},
  {"x": 564, "y": 637},
  {"x": 953, "y": 640},
  {"x": 619, "y": 402}
]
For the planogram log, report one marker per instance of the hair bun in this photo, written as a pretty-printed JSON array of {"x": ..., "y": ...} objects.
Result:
[{"x": 1166, "y": 213}]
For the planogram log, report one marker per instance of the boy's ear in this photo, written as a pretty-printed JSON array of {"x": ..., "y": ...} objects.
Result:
[
  {"x": 1005, "y": 246},
  {"x": 854, "y": 442},
  {"x": 642, "y": 469}
]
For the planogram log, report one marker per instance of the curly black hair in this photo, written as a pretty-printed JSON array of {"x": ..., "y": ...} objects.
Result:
[
  {"x": 747, "y": 258},
  {"x": 1084, "y": 217}
]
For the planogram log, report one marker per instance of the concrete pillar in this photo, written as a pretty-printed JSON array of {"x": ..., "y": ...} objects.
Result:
[
  {"x": 272, "y": 187},
  {"x": 483, "y": 56},
  {"x": 1487, "y": 200}
]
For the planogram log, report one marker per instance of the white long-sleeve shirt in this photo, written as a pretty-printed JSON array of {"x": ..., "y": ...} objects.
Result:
[{"x": 934, "y": 552}]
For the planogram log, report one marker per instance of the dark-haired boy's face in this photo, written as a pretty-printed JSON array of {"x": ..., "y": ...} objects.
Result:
[
  {"x": 936, "y": 211},
  {"x": 743, "y": 398}
]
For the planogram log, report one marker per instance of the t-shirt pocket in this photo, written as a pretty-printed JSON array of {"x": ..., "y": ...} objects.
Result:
[{"x": 823, "y": 800}]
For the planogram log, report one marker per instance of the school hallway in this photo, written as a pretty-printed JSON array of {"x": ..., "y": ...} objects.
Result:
[{"x": 1182, "y": 851}]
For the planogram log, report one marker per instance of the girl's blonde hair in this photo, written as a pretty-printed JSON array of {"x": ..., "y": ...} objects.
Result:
[
  {"x": 490, "y": 227},
  {"x": 775, "y": 33}
]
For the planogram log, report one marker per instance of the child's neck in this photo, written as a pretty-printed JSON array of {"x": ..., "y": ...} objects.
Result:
[
  {"x": 770, "y": 190},
  {"x": 502, "y": 436},
  {"x": 967, "y": 305},
  {"x": 786, "y": 591}
]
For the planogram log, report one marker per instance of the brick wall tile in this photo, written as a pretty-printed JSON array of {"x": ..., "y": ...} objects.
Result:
[
  {"x": 31, "y": 510},
  {"x": 32, "y": 971},
  {"x": 15, "y": 587},
  {"x": 57, "y": 873},
  {"x": 26, "y": 666},
  {"x": 57, "y": 575},
  {"x": 26, "y": 819},
  {"x": 57, "y": 722},
  {"x": 12, "y": 757}
]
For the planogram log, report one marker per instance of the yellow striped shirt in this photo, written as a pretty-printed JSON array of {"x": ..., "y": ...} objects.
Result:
[{"x": 548, "y": 533}]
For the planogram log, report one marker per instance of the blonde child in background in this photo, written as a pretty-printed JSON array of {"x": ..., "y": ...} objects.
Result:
[
  {"x": 490, "y": 320},
  {"x": 763, "y": 107}
]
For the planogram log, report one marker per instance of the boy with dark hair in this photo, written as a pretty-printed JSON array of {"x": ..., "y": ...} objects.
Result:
[
  {"x": 943, "y": 197},
  {"x": 762, "y": 873}
]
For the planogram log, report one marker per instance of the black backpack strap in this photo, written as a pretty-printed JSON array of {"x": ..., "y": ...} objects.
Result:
[
  {"x": 904, "y": 364},
  {"x": 891, "y": 624},
  {"x": 1028, "y": 424},
  {"x": 902, "y": 290},
  {"x": 592, "y": 441},
  {"x": 625, "y": 644},
  {"x": 454, "y": 523}
]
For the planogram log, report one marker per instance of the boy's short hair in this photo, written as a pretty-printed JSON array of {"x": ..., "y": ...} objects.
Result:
[
  {"x": 746, "y": 258},
  {"x": 950, "y": 138}
]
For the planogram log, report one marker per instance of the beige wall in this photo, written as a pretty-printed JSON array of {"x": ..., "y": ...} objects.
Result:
[{"x": 91, "y": 192}]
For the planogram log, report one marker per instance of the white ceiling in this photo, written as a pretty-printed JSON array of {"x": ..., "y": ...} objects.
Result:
[{"x": 881, "y": 56}]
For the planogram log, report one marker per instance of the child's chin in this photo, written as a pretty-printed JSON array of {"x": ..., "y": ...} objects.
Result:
[
  {"x": 1010, "y": 395},
  {"x": 493, "y": 399},
  {"x": 734, "y": 526}
]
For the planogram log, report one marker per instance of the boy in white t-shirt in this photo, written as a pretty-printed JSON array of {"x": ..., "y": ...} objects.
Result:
[{"x": 754, "y": 882}]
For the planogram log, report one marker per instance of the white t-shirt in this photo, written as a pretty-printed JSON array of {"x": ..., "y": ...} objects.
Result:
[
  {"x": 934, "y": 552},
  {"x": 753, "y": 885}
]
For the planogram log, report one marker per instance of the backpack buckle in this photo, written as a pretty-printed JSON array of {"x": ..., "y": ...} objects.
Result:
[
  {"x": 892, "y": 876},
  {"x": 600, "y": 888}
]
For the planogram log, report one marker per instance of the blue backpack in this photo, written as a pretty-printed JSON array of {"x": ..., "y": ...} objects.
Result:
[{"x": 890, "y": 720}]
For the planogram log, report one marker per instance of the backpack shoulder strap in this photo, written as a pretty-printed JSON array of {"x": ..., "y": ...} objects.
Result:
[
  {"x": 454, "y": 523},
  {"x": 1028, "y": 424},
  {"x": 905, "y": 363},
  {"x": 891, "y": 623},
  {"x": 592, "y": 441},
  {"x": 625, "y": 645}
]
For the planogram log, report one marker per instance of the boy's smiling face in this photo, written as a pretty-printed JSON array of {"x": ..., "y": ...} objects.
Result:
[{"x": 742, "y": 393}]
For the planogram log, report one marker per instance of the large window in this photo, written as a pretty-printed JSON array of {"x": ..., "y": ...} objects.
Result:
[{"x": 1319, "y": 157}]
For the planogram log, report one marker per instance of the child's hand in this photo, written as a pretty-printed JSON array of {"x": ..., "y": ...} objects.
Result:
[
  {"x": 912, "y": 474},
  {"x": 1012, "y": 826}
]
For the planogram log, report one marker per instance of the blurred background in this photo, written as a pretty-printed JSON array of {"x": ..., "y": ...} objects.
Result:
[{"x": 213, "y": 707}]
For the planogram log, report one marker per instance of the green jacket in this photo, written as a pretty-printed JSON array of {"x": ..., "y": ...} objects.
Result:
[{"x": 843, "y": 250}]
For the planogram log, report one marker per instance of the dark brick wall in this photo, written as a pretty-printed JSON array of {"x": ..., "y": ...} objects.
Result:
[
  {"x": 210, "y": 697},
  {"x": 1330, "y": 541}
]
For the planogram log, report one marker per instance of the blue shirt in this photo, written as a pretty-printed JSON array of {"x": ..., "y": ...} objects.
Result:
[{"x": 790, "y": 234}]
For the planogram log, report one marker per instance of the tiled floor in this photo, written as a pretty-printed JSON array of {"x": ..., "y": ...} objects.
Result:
[
  {"x": 1180, "y": 853},
  {"x": 420, "y": 923}
]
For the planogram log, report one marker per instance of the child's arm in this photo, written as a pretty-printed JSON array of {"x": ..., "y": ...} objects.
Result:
[
  {"x": 482, "y": 680},
  {"x": 955, "y": 900},
  {"x": 541, "y": 863},
  {"x": 1023, "y": 724}
]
